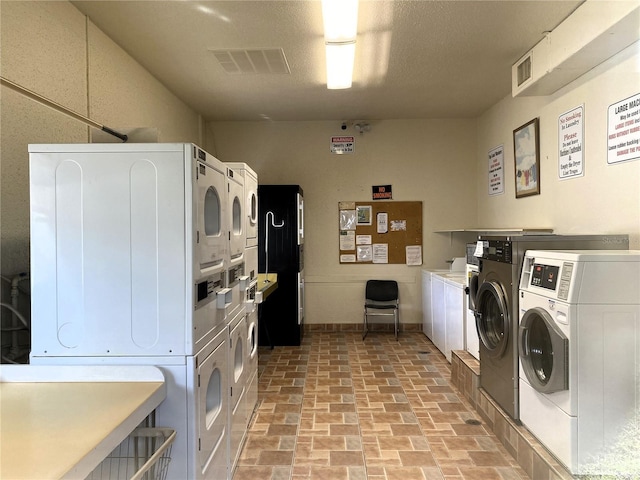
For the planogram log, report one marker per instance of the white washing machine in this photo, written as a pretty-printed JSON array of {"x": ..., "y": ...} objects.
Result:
[
  {"x": 128, "y": 246},
  {"x": 196, "y": 405},
  {"x": 455, "y": 301},
  {"x": 579, "y": 339},
  {"x": 252, "y": 364},
  {"x": 251, "y": 310},
  {"x": 472, "y": 341},
  {"x": 251, "y": 200},
  {"x": 237, "y": 372}
]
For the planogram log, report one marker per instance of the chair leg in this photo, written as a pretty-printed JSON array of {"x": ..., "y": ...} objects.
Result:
[
  {"x": 396, "y": 322},
  {"x": 365, "y": 324}
]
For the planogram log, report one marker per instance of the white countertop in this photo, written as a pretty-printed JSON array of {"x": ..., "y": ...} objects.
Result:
[{"x": 62, "y": 421}]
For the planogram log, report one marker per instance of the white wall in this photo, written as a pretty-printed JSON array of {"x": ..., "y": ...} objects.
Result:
[
  {"x": 607, "y": 198},
  {"x": 432, "y": 161}
]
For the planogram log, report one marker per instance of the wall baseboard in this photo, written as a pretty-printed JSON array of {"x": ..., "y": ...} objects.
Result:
[{"x": 358, "y": 327}]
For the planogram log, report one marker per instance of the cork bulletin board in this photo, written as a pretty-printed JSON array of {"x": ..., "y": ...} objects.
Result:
[{"x": 380, "y": 232}]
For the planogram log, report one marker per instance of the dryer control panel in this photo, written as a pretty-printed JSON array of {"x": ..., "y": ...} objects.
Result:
[
  {"x": 206, "y": 289},
  {"x": 497, "y": 251},
  {"x": 545, "y": 276}
]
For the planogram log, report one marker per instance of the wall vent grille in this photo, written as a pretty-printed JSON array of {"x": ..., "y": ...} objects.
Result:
[{"x": 524, "y": 70}]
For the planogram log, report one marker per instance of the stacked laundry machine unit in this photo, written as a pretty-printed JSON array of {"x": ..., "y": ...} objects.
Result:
[
  {"x": 134, "y": 262},
  {"x": 250, "y": 283},
  {"x": 242, "y": 278}
]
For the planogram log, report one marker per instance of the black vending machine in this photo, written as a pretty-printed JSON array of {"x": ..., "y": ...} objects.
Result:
[{"x": 281, "y": 251}]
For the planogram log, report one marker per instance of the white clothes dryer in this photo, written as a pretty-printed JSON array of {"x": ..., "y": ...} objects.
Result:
[
  {"x": 237, "y": 364},
  {"x": 236, "y": 270},
  {"x": 196, "y": 405},
  {"x": 128, "y": 241},
  {"x": 236, "y": 212},
  {"x": 579, "y": 338},
  {"x": 252, "y": 364},
  {"x": 251, "y": 200}
]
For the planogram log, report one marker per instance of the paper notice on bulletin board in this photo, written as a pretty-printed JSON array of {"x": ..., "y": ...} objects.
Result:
[
  {"x": 623, "y": 130},
  {"x": 380, "y": 253},
  {"x": 348, "y": 240},
  {"x": 414, "y": 255},
  {"x": 364, "y": 253}
]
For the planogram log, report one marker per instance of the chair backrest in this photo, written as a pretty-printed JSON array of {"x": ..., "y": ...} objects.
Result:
[{"x": 381, "y": 290}]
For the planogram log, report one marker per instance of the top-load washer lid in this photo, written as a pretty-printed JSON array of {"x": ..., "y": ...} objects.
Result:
[
  {"x": 492, "y": 318},
  {"x": 544, "y": 351}
]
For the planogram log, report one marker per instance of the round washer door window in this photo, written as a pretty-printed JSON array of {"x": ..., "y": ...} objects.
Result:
[
  {"x": 543, "y": 352},
  {"x": 492, "y": 318}
]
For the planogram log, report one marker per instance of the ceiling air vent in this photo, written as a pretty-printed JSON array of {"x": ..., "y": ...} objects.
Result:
[{"x": 245, "y": 62}]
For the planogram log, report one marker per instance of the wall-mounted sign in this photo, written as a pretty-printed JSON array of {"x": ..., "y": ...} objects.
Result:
[
  {"x": 496, "y": 170},
  {"x": 623, "y": 130},
  {"x": 381, "y": 192},
  {"x": 571, "y": 143},
  {"x": 342, "y": 145}
]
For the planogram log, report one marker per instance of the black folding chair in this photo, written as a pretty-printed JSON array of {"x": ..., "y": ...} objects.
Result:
[{"x": 380, "y": 297}]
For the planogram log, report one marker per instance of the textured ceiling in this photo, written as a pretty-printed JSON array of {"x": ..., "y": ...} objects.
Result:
[{"x": 414, "y": 58}]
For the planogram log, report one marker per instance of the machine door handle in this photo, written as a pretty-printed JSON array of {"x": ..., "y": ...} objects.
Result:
[{"x": 524, "y": 342}]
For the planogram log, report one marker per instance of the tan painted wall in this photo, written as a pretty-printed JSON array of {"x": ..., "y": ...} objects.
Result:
[
  {"x": 50, "y": 48},
  {"x": 432, "y": 161},
  {"x": 607, "y": 198}
]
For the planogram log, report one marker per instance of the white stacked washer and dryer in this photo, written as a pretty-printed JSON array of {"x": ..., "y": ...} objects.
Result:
[
  {"x": 237, "y": 319},
  {"x": 243, "y": 276},
  {"x": 579, "y": 339},
  {"x": 250, "y": 280},
  {"x": 131, "y": 246}
]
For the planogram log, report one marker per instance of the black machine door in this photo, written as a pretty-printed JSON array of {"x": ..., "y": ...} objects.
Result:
[
  {"x": 492, "y": 318},
  {"x": 474, "y": 284},
  {"x": 544, "y": 352}
]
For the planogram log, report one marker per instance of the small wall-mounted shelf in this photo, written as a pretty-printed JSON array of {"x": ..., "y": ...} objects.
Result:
[
  {"x": 501, "y": 231},
  {"x": 497, "y": 231}
]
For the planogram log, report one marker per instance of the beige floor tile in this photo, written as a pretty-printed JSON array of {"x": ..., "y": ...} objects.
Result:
[{"x": 338, "y": 408}]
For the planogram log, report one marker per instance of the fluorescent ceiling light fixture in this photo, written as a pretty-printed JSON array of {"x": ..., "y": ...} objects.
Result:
[
  {"x": 340, "y": 58},
  {"x": 340, "y": 31}
]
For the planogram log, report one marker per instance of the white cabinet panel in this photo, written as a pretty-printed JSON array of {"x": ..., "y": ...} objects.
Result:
[
  {"x": 427, "y": 314},
  {"x": 454, "y": 316},
  {"x": 439, "y": 315}
]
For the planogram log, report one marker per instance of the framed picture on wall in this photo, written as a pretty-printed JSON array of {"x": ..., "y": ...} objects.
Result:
[{"x": 526, "y": 154}]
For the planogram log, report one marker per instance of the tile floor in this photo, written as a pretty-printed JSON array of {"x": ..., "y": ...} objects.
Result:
[{"x": 339, "y": 408}]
